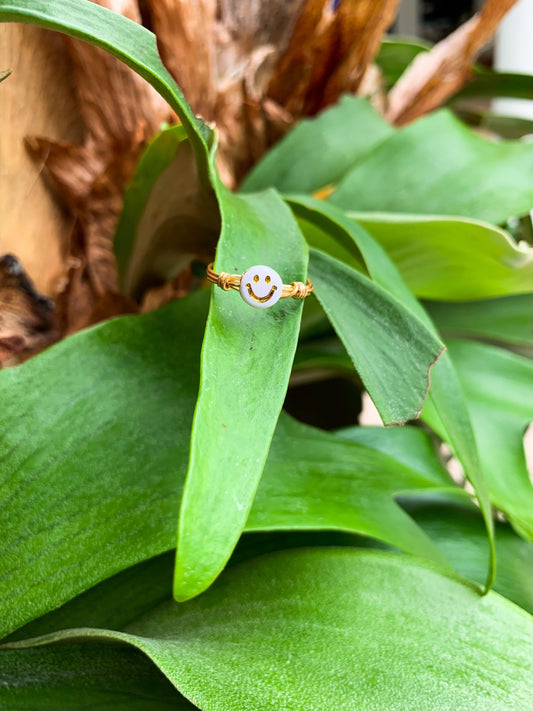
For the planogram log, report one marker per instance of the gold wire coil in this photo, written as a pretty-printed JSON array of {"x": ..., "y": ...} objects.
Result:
[{"x": 294, "y": 290}]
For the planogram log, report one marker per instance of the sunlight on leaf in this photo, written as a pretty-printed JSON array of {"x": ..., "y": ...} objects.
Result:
[{"x": 452, "y": 258}]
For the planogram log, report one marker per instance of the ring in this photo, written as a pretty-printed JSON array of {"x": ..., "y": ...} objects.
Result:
[{"x": 259, "y": 286}]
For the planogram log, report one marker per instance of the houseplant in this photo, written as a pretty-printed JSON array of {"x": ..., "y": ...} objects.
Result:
[{"x": 308, "y": 614}]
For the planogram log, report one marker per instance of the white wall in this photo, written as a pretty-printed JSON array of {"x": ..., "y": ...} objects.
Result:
[{"x": 513, "y": 52}]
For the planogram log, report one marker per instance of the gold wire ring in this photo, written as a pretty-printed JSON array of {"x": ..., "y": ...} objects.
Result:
[{"x": 260, "y": 286}]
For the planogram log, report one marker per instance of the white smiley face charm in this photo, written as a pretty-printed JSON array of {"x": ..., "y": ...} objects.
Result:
[{"x": 261, "y": 286}]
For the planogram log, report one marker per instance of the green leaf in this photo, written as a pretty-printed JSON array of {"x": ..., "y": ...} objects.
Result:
[
  {"x": 127, "y": 40},
  {"x": 323, "y": 354},
  {"x": 451, "y": 419},
  {"x": 506, "y": 320},
  {"x": 246, "y": 362},
  {"x": 504, "y": 126},
  {"x": 390, "y": 348},
  {"x": 489, "y": 84},
  {"x": 395, "y": 55},
  {"x": 316, "y": 480},
  {"x": 93, "y": 449},
  {"x": 168, "y": 215},
  {"x": 376, "y": 630},
  {"x": 447, "y": 258},
  {"x": 461, "y": 173},
  {"x": 114, "y": 602},
  {"x": 4, "y": 74},
  {"x": 319, "y": 151},
  {"x": 91, "y": 675},
  {"x": 408, "y": 446},
  {"x": 445, "y": 395},
  {"x": 460, "y": 533},
  {"x": 458, "y": 530},
  {"x": 499, "y": 388}
]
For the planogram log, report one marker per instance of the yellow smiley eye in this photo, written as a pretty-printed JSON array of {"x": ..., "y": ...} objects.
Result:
[
  {"x": 267, "y": 280},
  {"x": 256, "y": 278}
]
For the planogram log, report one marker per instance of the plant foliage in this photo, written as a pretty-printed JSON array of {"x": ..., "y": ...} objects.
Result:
[{"x": 115, "y": 437}]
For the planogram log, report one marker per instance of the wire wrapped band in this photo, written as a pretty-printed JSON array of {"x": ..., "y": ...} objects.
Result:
[{"x": 295, "y": 290}]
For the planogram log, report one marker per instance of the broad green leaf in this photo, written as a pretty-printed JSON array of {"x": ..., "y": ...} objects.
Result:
[
  {"x": 438, "y": 166},
  {"x": 314, "y": 479},
  {"x": 499, "y": 387},
  {"x": 168, "y": 216},
  {"x": 114, "y": 602},
  {"x": 91, "y": 675},
  {"x": 408, "y": 446},
  {"x": 320, "y": 150},
  {"x": 506, "y": 320},
  {"x": 460, "y": 533},
  {"x": 396, "y": 54},
  {"x": 453, "y": 259},
  {"x": 452, "y": 523},
  {"x": 445, "y": 393},
  {"x": 377, "y": 631},
  {"x": 246, "y": 362},
  {"x": 5, "y": 74},
  {"x": 390, "y": 348},
  {"x": 93, "y": 451},
  {"x": 312, "y": 482},
  {"x": 127, "y": 40},
  {"x": 457, "y": 529}
]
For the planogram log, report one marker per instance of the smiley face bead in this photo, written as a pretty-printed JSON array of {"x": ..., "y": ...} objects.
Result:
[{"x": 261, "y": 286}]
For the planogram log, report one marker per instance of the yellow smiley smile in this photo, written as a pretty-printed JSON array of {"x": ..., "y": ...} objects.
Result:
[{"x": 261, "y": 299}]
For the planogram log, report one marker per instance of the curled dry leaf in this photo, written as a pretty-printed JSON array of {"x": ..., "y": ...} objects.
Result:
[
  {"x": 434, "y": 76},
  {"x": 121, "y": 113},
  {"x": 304, "y": 63},
  {"x": 27, "y": 322},
  {"x": 329, "y": 53},
  {"x": 175, "y": 289},
  {"x": 360, "y": 27},
  {"x": 222, "y": 53}
]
